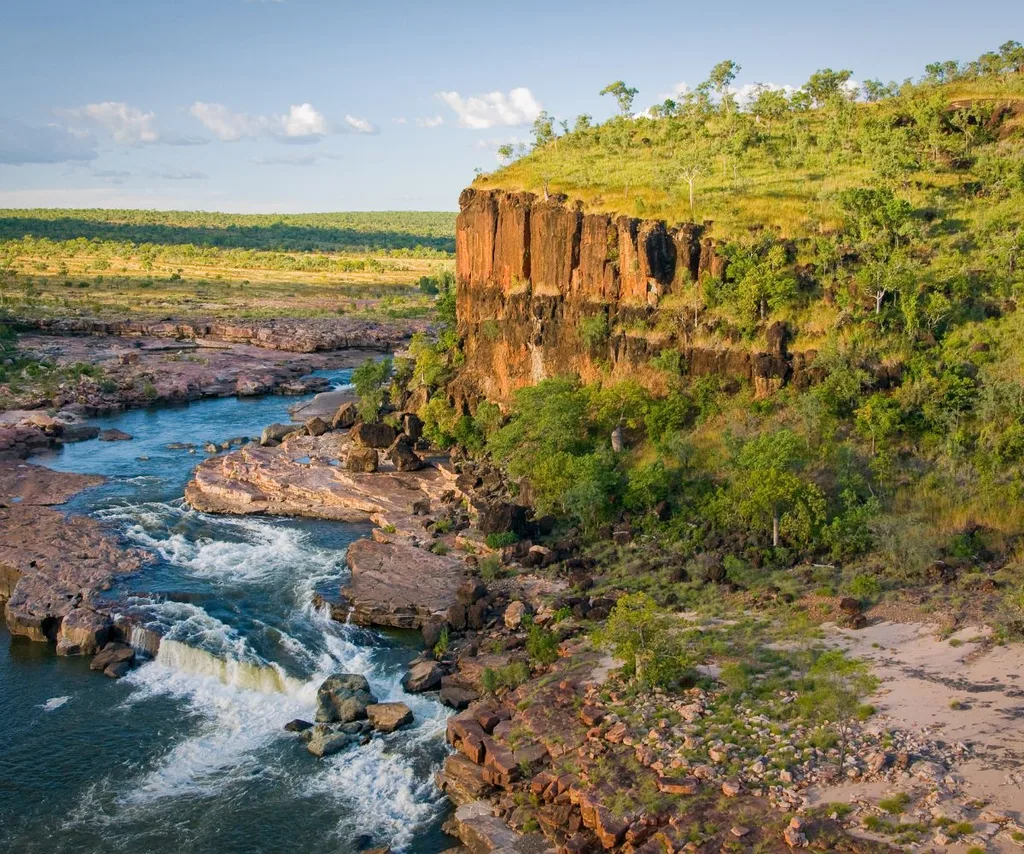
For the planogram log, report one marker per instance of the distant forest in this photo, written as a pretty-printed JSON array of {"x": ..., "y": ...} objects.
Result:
[{"x": 422, "y": 234}]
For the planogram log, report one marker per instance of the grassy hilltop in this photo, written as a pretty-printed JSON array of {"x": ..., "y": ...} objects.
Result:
[{"x": 884, "y": 228}]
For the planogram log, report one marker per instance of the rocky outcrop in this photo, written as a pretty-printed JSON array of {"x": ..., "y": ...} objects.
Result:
[
  {"x": 533, "y": 272},
  {"x": 398, "y": 585},
  {"x": 308, "y": 335}
]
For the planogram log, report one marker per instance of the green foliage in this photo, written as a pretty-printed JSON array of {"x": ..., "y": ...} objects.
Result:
[
  {"x": 501, "y": 540},
  {"x": 541, "y": 644},
  {"x": 593, "y": 330},
  {"x": 441, "y": 647},
  {"x": 370, "y": 379},
  {"x": 645, "y": 639},
  {"x": 836, "y": 686}
]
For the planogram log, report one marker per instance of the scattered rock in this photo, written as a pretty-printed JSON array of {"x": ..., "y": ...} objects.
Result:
[
  {"x": 316, "y": 426},
  {"x": 343, "y": 697},
  {"x": 113, "y": 655},
  {"x": 274, "y": 433},
  {"x": 514, "y": 614},
  {"x": 422, "y": 676},
  {"x": 114, "y": 436},
  {"x": 458, "y": 698},
  {"x": 403, "y": 456},
  {"x": 387, "y": 717},
  {"x": 298, "y": 725},
  {"x": 345, "y": 417},
  {"x": 374, "y": 434},
  {"x": 363, "y": 460},
  {"x": 326, "y": 741}
]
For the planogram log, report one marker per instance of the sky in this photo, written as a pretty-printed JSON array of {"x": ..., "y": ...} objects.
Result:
[{"x": 292, "y": 106}]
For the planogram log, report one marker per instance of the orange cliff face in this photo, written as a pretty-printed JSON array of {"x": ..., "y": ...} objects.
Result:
[{"x": 530, "y": 272}]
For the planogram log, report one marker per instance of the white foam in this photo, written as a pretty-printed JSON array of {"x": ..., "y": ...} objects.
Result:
[{"x": 54, "y": 703}]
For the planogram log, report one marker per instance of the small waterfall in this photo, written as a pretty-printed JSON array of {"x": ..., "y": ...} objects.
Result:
[{"x": 249, "y": 676}]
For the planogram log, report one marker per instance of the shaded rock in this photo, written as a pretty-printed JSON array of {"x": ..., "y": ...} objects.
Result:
[
  {"x": 345, "y": 417},
  {"x": 343, "y": 697},
  {"x": 83, "y": 632},
  {"x": 471, "y": 590},
  {"x": 457, "y": 698},
  {"x": 316, "y": 426},
  {"x": 422, "y": 676},
  {"x": 412, "y": 426},
  {"x": 117, "y": 670},
  {"x": 387, "y": 717},
  {"x": 403, "y": 456},
  {"x": 463, "y": 781},
  {"x": 374, "y": 434},
  {"x": 363, "y": 460},
  {"x": 498, "y": 517},
  {"x": 297, "y": 725},
  {"x": 114, "y": 653},
  {"x": 114, "y": 436}
]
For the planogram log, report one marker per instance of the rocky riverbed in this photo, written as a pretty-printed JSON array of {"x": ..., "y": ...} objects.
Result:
[{"x": 128, "y": 372}]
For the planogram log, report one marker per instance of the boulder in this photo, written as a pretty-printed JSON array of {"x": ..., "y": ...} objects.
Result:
[
  {"x": 412, "y": 426},
  {"x": 112, "y": 655},
  {"x": 345, "y": 417},
  {"x": 514, "y": 614},
  {"x": 387, "y": 717},
  {"x": 497, "y": 517},
  {"x": 403, "y": 456},
  {"x": 82, "y": 632},
  {"x": 325, "y": 741},
  {"x": 422, "y": 676},
  {"x": 458, "y": 698},
  {"x": 316, "y": 426},
  {"x": 343, "y": 697},
  {"x": 374, "y": 434},
  {"x": 114, "y": 436},
  {"x": 297, "y": 725},
  {"x": 399, "y": 585},
  {"x": 471, "y": 590},
  {"x": 274, "y": 433},
  {"x": 364, "y": 460}
]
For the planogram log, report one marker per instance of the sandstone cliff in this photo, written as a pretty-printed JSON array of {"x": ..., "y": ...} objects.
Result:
[{"x": 531, "y": 271}]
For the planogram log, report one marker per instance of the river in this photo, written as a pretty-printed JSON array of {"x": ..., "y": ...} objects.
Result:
[{"x": 187, "y": 753}]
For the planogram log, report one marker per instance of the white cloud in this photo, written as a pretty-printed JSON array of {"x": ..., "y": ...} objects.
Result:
[
  {"x": 399, "y": 120},
  {"x": 21, "y": 143},
  {"x": 430, "y": 122},
  {"x": 360, "y": 125},
  {"x": 127, "y": 125},
  {"x": 494, "y": 109},
  {"x": 302, "y": 123}
]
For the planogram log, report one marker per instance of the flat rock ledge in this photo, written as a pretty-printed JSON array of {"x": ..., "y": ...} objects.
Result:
[
  {"x": 50, "y": 564},
  {"x": 306, "y": 476},
  {"x": 396, "y": 585}
]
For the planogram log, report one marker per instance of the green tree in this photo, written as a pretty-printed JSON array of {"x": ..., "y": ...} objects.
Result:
[
  {"x": 623, "y": 95},
  {"x": 838, "y": 684},
  {"x": 826, "y": 84},
  {"x": 370, "y": 379},
  {"x": 645, "y": 639},
  {"x": 767, "y": 484},
  {"x": 878, "y": 418}
]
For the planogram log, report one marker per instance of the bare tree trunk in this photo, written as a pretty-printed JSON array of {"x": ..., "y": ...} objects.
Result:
[
  {"x": 879, "y": 297},
  {"x": 775, "y": 529}
]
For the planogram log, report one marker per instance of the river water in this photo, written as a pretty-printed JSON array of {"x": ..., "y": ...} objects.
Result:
[{"x": 187, "y": 753}]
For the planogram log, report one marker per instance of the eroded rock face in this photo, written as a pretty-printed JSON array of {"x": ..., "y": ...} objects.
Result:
[
  {"x": 83, "y": 632},
  {"x": 530, "y": 271},
  {"x": 51, "y": 564},
  {"x": 399, "y": 585}
]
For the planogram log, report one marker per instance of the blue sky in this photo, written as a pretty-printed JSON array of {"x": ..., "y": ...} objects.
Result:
[{"x": 320, "y": 105}]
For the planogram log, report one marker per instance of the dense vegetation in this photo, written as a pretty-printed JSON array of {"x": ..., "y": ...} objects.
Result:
[
  {"x": 884, "y": 230},
  {"x": 99, "y": 261},
  {"x": 419, "y": 233}
]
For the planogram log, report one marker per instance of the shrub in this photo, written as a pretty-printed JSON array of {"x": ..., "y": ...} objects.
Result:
[
  {"x": 541, "y": 645},
  {"x": 501, "y": 540},
  {"x": 644, "y": 637}
]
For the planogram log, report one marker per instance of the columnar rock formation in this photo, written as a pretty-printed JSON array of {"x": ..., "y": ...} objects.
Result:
[{"x": 531, "y": 272}]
